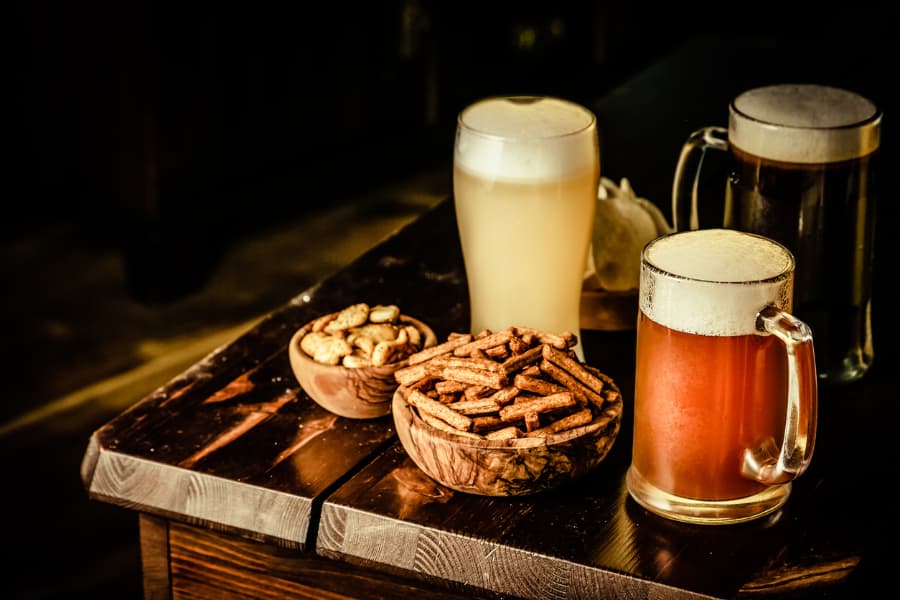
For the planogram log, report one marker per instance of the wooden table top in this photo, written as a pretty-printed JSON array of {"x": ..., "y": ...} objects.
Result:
[{"x": 235, "y": 444}]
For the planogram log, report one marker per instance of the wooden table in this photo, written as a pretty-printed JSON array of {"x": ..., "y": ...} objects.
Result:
[{"x": 245, "y": 487}]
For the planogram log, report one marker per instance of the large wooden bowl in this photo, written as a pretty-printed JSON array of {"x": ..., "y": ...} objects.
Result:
[
  {"x": 356, "y": 393},
  {"x": 513, "y": 467}
]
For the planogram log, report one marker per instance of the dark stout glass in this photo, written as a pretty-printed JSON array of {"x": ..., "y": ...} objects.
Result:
[
  {"x": 803, "y": 172},
  {"x": 821, "y": 212}
]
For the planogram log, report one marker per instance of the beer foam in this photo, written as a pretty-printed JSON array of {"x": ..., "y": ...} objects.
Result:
[
  {"x": 526, "y": 138},
  {"x": 714, "y": 281},
  {"x": 804, "y": 124}
]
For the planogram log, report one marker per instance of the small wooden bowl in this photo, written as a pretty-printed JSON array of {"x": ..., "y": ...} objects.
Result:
[
  {"x": 513, "y": 467},
  {"x": 356, "y": 393}
]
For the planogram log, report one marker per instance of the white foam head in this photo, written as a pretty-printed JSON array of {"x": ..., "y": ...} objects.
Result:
[
  {"x": 714, "y": 281},
  {"x": 804, "y": 123},
  {"x": 526, "y": 138}
]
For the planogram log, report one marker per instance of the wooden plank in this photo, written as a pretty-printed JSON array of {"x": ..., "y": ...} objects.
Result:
[
  {"x": 207, "y": 564},
  {"x": 393, "y": 514},
  {"x": 155, "y": 557},
  {"x": 585, "y": 541},
  {"x": 588, "y": 538},
  {"x": 234, "y": 443}
]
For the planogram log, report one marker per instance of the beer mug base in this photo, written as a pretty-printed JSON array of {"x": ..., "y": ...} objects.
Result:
[{"x": 705, "y": 512}]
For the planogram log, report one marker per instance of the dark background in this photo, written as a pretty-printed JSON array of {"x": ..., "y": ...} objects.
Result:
[
  {"x": 144, "y": 117},
  {"x": 165, "y": 133},
  {"x": 156, "y": 125},
  {"x": 153, "y": 124}
]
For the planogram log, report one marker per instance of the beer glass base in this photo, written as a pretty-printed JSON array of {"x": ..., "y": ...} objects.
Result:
[{"x": 705, "y": 512}]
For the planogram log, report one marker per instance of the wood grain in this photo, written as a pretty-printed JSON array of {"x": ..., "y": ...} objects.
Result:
[
  {"x": 389, "y": 515},
  {"x": 155, "y": 557},
  {"x": 207, "y": 564},
  {"x": 231, "y": 444}
]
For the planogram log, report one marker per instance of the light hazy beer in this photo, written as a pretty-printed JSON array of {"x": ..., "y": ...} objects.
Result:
[
  {"x": 525, "y": 177},
  {"x": 712, "y": 385},
  {"x": 802, "y": 171}
]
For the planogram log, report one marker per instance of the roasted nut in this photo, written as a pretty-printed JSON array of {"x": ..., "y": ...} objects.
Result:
[
  {"x": 355, "y": 361},
  {"x": 384, "y": 313},
  {"x": 381, "y": 354},
  {"x": 360, "y": 336},
  {"x": 330, "y": 351},
  {"x": 313, "y": 340},
  {"x": 352, "y": 316}
]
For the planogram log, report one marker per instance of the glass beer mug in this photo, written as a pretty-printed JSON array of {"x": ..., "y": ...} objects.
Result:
[
  {"x": 725, "y": 396},
  {"x": 802, "y": 171}
]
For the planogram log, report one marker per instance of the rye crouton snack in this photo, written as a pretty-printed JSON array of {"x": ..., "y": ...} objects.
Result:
[
  {"x": 525, "y": 382},
  {"x": 505, "y": 413}
]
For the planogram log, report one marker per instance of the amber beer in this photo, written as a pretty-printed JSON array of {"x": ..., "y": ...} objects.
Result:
[
  {"x": 687, "y": 448},
  {"x": 712, "y": 386},
  {"x": 525, "y": 177}
]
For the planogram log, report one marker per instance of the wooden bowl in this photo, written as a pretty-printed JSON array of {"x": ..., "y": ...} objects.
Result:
[
  {"x": 512, "y": 467},
  {"x": 356, "y": 393}
]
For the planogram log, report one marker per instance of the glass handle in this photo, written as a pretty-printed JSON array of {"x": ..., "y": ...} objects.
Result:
[
  {"x": 687, "y": 175},
  {"x": 768, "y": 463}
]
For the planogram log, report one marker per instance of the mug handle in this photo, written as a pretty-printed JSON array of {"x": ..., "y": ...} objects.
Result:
[
  {"x": 767, "y": 463},
  {"x": 687, "y": 174}
]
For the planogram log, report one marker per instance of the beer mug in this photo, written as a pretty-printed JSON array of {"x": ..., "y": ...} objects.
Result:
[
  {"x": 525, "y": 176},
  {"x": 725, "y": 397},
  {"x": 802, "y": 168}
]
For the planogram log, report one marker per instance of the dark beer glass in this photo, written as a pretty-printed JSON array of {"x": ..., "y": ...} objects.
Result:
[{"x": 802, "y": 170}]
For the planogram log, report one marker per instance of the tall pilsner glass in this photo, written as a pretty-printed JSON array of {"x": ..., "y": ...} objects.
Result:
[{"x": 525, "y": 176}]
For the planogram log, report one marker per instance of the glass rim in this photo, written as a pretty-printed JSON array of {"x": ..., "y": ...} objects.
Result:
[
  {"x": 590, "y": 123},
  {"x": 787, "y": 271}
]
